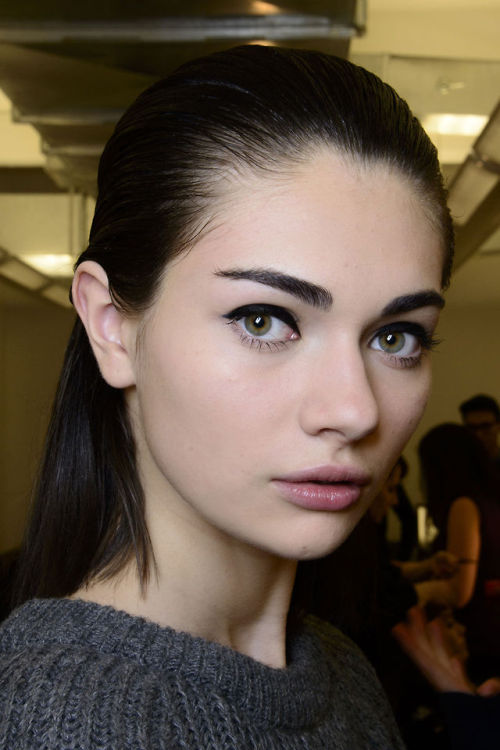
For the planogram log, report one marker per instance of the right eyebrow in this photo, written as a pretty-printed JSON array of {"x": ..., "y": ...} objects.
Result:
[{"x": 305, "y": 291}]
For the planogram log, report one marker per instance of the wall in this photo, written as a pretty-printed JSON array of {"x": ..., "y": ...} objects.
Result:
[{"x": 33, "y": 335}]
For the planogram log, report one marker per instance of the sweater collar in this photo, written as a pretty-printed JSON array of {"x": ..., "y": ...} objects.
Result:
[{"x": 295, "y": 696}]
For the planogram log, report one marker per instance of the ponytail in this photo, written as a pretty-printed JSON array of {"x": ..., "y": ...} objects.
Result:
[{"x": 88, "y": 509}]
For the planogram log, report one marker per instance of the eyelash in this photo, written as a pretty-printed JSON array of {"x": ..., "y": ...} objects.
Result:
[
  {"x": 426, "y": 341},
  {"x": 269, "y": 311},
  {"x": 424, "y": 338}
]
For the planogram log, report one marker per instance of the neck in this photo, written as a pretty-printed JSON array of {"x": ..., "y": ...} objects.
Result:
[{"x": 220, "y": 590}]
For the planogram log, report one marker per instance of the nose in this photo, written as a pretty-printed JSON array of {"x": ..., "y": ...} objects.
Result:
[{"x": 339, "y": 396}]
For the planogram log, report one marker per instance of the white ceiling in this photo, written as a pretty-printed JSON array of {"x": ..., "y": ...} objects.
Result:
[
  {"x": 462, "y": 29},
  {"x": 457, "y": 46}
]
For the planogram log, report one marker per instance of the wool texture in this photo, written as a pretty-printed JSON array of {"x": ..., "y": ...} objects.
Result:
[{"x": 77, "y": 675}]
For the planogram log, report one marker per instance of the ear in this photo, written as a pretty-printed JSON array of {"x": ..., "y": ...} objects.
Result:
[{"x": 111, "y": 333}]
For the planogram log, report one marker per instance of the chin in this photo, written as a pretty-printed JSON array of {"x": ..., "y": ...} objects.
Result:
[
  {"x": 316, "y": 552},
  {"x": 313, "y": 546}
]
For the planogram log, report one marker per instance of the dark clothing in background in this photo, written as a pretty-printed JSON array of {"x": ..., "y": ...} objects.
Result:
[
  {"x": 405, "y": 511},
  {"x": 481, "y": 616},
  {"x": 8, "y": 566},
  {"x": 473, "y": 722}
]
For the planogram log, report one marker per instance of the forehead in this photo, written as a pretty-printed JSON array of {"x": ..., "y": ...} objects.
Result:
[{"x": 328, "y": 221}]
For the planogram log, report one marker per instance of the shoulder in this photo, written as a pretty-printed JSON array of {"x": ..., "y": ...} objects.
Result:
[
  {"x": 340, "y": 650},
  {"x": 71, "y": 694},
  {"x": 55, "y": 695}
]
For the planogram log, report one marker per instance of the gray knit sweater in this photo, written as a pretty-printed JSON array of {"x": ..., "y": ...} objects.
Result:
[{"x": 78, "y": 675}]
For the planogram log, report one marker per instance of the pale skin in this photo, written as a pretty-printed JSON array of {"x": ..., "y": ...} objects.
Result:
[{"x": 220, "y": 411}]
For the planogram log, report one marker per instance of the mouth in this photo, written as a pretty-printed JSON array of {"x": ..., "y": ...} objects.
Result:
[
  {"x": 323, "y": 488},
  {"x": 328, "y": 475}
]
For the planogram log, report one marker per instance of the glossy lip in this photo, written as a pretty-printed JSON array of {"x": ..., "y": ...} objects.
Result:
[{"x": 330, "y": 488}]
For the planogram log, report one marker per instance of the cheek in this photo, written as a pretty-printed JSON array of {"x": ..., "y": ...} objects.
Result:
[
  {"x": 199, "y": 407},
  {"x": 420, "y": 397},
  {"x": 412, "y": 406},
  {"x": 402, "y": 401}
]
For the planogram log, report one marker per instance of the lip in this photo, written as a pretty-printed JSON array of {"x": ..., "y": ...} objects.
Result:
[{"x": 330, "y": 488}]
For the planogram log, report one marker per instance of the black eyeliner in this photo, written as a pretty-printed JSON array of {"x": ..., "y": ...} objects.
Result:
[
  {"x": 263, "y": 309},
  {"x": 406, "y": 326}
]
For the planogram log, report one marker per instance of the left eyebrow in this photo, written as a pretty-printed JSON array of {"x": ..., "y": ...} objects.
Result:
[
  {"x": 409, "y": 302},
  {"x": 306, "y": 291}
]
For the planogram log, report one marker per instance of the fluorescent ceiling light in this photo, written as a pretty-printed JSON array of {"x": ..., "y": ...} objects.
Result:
[
  {"x": 51, "y": 264},
  {"x": 479, "y": 174},
  {"x": 21, "y": 273},
  {"x": 451, "y": 124}
]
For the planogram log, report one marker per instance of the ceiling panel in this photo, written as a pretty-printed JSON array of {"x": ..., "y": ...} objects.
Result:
[{"x": 74, "y": 68}]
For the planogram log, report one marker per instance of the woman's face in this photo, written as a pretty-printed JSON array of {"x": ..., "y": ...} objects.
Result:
[{"x": 286, "y": 360}]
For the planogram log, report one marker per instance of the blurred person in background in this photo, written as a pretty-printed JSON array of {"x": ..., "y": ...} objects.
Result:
[
  {"x": 367, "y": 603},
  {"x": 481, "y": 414},
  {"x": 463, "y": 494},
  {"x": 406, "y": 547},
  {"x": 472, "y": 711}
]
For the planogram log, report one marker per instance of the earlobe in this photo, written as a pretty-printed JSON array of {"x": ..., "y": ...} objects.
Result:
[{"x": 108, "y": 329}]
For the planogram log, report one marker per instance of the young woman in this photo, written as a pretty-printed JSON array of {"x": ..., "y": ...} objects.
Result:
[
  {"x": 463, "y": 494},
  {"x": 256, "y": 309}
]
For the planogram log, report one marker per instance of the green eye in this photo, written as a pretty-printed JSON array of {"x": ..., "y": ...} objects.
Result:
[
  {"x": 403, "y": 343},
  {"x": 392, "y": 342},
  {"x": 264, "y": 326},
  {"x": 257, "y": 324}
]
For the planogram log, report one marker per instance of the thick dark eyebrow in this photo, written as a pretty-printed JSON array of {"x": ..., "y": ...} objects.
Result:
[
  {"x": 311, "y": 294},
  {"x": 409, "y": 302}
]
